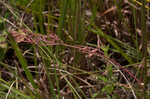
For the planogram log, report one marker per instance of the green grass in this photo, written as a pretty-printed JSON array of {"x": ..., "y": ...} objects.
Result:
[{"x": 40, "y": 71}]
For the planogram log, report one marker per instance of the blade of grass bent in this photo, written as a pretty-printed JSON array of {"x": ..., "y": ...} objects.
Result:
[
  {"x": 108, "y": 38},
  {"x": 5, "y": 85},
  {"x": 22, "y": 61}
]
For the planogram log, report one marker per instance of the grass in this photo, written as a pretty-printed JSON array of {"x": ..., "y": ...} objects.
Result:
[{"x": 99, "y": 50}]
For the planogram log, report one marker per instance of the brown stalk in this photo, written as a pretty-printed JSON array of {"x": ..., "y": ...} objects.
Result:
[{"x": 53, "y": 39}]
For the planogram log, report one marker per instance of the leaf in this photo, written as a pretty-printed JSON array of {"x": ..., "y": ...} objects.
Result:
[
  {"x": 103, "y": 78},
  {"x": 3, "y": 45},
  {"x": 109, "y": 69},
  {"x": 108, "y": 88}
]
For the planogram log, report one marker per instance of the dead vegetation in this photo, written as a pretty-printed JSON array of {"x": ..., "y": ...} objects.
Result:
[{"x": 74, "y": 49}]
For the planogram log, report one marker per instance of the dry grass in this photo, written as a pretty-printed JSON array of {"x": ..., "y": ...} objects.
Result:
[{"x": 74, "y": 49}]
